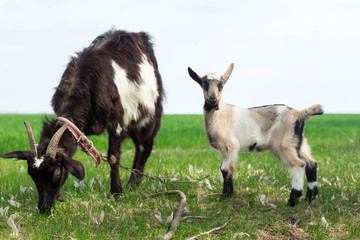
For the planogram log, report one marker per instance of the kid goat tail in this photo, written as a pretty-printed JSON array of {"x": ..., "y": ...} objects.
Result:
[{"x": 310, "y": 111}]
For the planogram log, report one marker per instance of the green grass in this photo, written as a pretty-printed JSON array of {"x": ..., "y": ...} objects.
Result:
[{"x": 182, "y": 150}]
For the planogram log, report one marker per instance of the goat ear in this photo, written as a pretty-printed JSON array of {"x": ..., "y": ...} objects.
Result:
[
  {"x": 20, "y": 155},
  {"x": 226, "y": 75},
  {"x": 194, "y": 76},
  {"x": 74, "y": 167}
]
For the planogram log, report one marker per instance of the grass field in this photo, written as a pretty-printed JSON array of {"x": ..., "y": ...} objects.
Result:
[{"x": 257, "y": 210}]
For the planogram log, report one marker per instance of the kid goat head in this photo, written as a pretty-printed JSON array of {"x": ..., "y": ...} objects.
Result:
[
  {"x": 212, "y": 85},
  {"x": 277, "y": 128}
]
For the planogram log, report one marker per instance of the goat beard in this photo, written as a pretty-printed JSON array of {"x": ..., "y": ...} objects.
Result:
[{"x": 208, "y": 107}]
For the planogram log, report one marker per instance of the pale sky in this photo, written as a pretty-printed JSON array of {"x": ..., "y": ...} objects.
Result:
[{"x": 298, "y": 53}]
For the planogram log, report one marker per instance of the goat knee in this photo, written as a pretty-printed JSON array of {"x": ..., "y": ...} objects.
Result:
[{"x": 113, "y": 161}]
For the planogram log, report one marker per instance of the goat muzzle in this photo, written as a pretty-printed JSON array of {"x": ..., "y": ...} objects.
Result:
[{"x": 212, "y": 100}]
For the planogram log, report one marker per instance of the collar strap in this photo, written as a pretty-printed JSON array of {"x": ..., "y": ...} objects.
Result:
[
  {"x": 84, "y": 144},
  {"x": 208, "y": 107}
]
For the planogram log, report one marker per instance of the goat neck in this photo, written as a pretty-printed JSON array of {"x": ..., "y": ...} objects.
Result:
[{"x": 212, "y": 113}]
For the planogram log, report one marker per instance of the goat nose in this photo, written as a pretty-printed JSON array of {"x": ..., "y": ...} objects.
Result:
[{"x": 212, "y": 100}]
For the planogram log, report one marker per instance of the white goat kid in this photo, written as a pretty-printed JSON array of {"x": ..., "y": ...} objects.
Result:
[{"x": 277, "y": 128}]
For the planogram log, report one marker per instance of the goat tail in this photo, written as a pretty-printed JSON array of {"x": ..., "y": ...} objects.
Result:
[{"x": 311, "y": 111}]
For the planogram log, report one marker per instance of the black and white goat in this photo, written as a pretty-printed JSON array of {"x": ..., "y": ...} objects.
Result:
[
  {"x": 277, "y": 128},
  {"x": 114, "y": 85}
]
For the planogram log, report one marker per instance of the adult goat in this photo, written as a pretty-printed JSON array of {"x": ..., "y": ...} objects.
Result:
[{"x": 114, "y": 85}]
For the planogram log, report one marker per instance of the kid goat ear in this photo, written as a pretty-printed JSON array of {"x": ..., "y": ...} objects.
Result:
[
  {"x": 226, "y": 75},
  {"x": 194, "y": 76}
]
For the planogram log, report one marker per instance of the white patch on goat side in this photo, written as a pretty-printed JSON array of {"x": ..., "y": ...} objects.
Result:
[
  {"x": 118, "y": 129},
  {"x": 38, "y": 162},
  {"x": 298, "y": 177},
  {"x": 141, "y": 148},
  {"x": 148, "y": 90},
  {"x": 132, "y": 94},
  {"x": 312, "y": 185},
  {"x": 245, "y": 130}
]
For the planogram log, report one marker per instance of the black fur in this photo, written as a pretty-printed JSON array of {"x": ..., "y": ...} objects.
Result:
[
  {"x": 252, "y": 147},
  {"x": 205, "y": 84},
  {"x": 311, "y": 176},
  {"x": 311, "y": 173},
  {"x": 298, "y": 133},
  {"x": 208, "y": 107},
  {"x": 228, "y": 188},
  {"x": 294, "y": 197},
  {"x": 311, "y": 194},
  {"x": 299, "y": 128},
  {"x": 194, "y": 76}
]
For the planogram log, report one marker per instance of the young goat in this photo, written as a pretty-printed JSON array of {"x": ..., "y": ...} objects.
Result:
[
  {"x": 114, "y": 85},
  {"x": 277, "y": 128}
]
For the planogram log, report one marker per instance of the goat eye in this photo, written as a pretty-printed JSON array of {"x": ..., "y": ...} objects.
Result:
[
  {"x": 205, "y": 85},
  {"x": 56, "y": 174}
]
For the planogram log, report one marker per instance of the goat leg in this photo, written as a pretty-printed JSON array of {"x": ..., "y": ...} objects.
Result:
[
  {"x": 311, "y": 194},
  {"x": 312, "y": 189},
  {"x": 228, "y": 188},
  {"x": 142, "y": 153},
  {"x": 114, "y": 153},
  {"x": 115, "y": 184},
  {"x": 294, "y": 197}
]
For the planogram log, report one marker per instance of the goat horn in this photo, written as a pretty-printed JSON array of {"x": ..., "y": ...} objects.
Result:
[
  {"x": 54, "y": 142},
  {"x": 228, "y": 72},
  {"x": 32, "y": 142}
]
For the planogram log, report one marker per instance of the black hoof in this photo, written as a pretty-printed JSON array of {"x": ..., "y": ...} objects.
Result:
[
  {"x": 291, "y": 203},
  {"x": 59, "y": 198},
  {"x": 116, "y": 195},
  {"x": 228, "y": 188},
  {"x": 134, "y": 181},
  {"x": 311, "y": 194},
  {"x": 227, "y": 194},
  {"x": 294, "y": 197},
  {"x": 116, "y": 190}
]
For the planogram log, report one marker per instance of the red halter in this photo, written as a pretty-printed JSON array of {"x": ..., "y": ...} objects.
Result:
[{"x": 84, "y": 144}]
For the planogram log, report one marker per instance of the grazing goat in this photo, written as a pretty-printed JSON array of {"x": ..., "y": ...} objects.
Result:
[
  {"x": 114, "y": 85},
  {"x": 277, "y": 128}
]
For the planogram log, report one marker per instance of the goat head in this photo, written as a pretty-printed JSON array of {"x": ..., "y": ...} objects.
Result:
[{"x": 49, "y": 171}]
